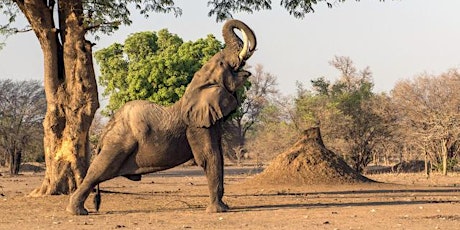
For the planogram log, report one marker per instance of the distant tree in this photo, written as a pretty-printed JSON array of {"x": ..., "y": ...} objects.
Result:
[
  {"x": 391, "y": 142},
  {"x": 95, "y": 131},
  {"x": 259, "y": 90},
  {"x": 342, "y": 110},
  {"x": 263, "y": 87},
  {"x": 275, "y": 130},
  {"x": 429, "y": 110},
  {"x": 320, "y": 107},
  {"x": 22, "y": 109}
]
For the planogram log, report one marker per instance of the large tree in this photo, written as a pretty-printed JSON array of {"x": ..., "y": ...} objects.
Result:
[{"x": 61, "y": 27}]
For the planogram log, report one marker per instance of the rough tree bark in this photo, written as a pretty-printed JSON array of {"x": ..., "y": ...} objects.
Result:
[{"x": 71, "y": 92}]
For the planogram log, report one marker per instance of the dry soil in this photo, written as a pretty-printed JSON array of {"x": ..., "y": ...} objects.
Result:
[{"x": 177, "y": 198}]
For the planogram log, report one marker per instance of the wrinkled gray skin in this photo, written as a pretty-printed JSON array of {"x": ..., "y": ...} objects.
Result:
[{"x": 143, "y": 137}]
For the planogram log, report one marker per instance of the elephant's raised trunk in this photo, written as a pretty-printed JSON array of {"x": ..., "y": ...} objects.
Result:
[{"x": 243, "y": 49}]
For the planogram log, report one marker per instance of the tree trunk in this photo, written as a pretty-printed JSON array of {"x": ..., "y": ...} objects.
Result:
[
  {"x": 71, "y": 93},
  {"x": 3, "y": 159},
  {"x": 15, "y": 161},
  {"x": 427, "y": 164},
  {"x": 444, "y": 156}
]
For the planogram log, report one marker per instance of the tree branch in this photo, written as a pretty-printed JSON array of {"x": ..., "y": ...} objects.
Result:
[{"x": 98, "y": 25}]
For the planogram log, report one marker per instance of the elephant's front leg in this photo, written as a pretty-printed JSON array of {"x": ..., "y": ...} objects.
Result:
[{"x": 206, "y": 148}]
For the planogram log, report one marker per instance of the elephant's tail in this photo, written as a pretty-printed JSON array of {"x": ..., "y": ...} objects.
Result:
[{"x": 97, "y": 198}]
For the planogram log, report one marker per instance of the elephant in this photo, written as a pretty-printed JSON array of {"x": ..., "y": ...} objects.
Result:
[{"x": 143, "y": 137}]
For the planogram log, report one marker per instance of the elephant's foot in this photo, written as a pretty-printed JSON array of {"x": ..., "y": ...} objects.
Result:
[
  {"x": 217, "y": 207},
  {"x": 75, "y": 210}
]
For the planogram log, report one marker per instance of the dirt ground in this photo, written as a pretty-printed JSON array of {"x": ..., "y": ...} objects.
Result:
[{"x": 177, "y": 199}]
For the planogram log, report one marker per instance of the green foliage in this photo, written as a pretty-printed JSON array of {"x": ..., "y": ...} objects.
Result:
[
  {"x": 223, "y": 9},
  {"x": 8, "y": 15},
  {"x": 154, "y": 66}
]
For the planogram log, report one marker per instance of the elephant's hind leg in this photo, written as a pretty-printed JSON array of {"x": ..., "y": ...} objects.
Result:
[{"x": 104, "y": 167}]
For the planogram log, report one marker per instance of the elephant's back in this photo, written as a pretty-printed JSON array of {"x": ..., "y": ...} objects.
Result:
[
  {"x": 140, "y": 106},
  {"x": 144, "y": 118},
  {"x": 139, "y": 111},
  {"x": 147, "y": 112}
]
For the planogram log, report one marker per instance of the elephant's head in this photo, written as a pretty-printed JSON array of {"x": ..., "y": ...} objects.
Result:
[
  {"x": 237, "y": 51},
  {"x": 210, "y": 95}
]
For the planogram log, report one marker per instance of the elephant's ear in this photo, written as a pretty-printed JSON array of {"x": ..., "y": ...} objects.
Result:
[{"x": 203, "y": 109}]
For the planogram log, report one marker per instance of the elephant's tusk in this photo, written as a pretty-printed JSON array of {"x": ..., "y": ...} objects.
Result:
[{"x": 244, "y": 51}]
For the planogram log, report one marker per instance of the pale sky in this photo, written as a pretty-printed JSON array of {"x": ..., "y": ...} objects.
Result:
[{"x": 396, "y": 39}]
